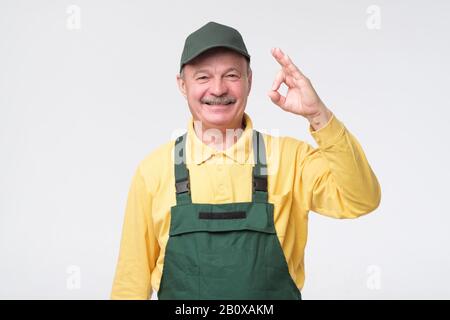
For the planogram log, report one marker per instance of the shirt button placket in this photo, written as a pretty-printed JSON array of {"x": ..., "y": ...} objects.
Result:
[{"x": 221, "y": 181}]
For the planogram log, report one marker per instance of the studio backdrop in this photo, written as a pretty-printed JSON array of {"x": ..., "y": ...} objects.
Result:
[{"x": 88, "y": 89}]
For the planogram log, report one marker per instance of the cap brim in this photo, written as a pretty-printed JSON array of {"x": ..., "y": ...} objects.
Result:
[{"x": 192, "y": 57}]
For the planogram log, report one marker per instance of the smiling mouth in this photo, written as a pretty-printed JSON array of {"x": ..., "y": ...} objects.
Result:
[{"x": 220, "y": 104}]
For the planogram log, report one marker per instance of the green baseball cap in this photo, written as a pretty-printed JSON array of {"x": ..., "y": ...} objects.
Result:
[{"x": 212, "y": 35}]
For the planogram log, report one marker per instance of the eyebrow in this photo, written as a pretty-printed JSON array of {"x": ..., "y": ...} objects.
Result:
[{"x": 207, "y": 71}]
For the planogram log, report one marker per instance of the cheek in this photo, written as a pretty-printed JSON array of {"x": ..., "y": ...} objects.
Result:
[
  {"x": 239, "y": 90},
  {"x": 194, "y": 94}
]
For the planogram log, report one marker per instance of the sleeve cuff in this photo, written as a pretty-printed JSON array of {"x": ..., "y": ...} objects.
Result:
[{"x": 328, "y": 134}]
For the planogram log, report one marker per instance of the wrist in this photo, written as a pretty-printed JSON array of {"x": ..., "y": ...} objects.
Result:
[{"x": 320, "y": 119}]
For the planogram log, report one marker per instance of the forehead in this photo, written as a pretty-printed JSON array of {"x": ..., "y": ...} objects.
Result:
[{"x": 218, "y": 58}]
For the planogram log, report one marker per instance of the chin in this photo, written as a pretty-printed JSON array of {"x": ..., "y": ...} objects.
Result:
[
  {"x": 219, "y": 117},
  {"x": 218, "y": 120}
]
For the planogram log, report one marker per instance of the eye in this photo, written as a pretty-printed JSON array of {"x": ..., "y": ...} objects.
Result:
[
  {"x": 232, "y": 76},
  {"x": 202, "y": 78}
]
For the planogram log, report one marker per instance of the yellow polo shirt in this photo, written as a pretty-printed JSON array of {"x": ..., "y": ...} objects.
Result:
[{"x": 334, "y": 180}]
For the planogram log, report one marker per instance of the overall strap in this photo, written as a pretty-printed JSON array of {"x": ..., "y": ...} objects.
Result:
[
  {"x": 259, "y": 183},
  {"x": 182, "y": 185},
  {"x": 259, "y": 176}
]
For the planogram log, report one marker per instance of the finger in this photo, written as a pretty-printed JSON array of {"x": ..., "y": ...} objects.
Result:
[
  {"x": 277, "y": 98},
  {"x": 282, "y": 58},
  {"x": 279, "y": 56},
  {"x": 279, "y": 79},
  {"x": 286, "y": 62}
]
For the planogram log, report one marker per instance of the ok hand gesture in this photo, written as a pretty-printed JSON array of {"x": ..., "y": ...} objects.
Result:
[{"x": 301, "y": 98}]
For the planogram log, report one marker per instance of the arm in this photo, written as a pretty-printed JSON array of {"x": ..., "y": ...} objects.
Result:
[
  {"x": 335, "y": 179},
  {"x": 139, "y": 247}
]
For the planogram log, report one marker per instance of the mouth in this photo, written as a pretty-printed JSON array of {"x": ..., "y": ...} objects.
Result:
[{"x": 215, "y": 104}]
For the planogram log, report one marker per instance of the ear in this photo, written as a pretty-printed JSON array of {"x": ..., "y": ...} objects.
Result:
[
  {"x": 181, "y": 85},
  {"x": 249, "y": 79}
]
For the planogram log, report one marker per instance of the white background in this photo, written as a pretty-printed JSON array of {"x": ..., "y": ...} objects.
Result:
[{"x": 79, "y": 108}]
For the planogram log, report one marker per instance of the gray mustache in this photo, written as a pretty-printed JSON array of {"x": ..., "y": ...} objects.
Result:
[{"x": 218, "y": 100}]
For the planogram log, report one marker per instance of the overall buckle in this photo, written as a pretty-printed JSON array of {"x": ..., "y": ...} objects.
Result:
[
  {"x": 259, "y": 184},
  {"x": 182, "y": 186}
]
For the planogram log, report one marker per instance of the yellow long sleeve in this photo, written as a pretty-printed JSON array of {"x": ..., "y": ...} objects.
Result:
[
  {"x": 336, "y": 178},
  {"x": 139, "y": 246}
]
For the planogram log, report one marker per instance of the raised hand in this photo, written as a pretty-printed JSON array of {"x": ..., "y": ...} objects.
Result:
[{"x": 301, "y": 98}]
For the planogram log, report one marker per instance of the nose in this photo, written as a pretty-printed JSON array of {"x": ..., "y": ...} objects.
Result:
[{"x": 218, "y": 87}]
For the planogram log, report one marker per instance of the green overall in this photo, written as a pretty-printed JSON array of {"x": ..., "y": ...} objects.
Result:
[{"x": 224, "y": 251}]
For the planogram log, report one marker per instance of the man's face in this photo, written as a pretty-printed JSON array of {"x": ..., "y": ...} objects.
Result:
[{"x": 216, "y": 85}]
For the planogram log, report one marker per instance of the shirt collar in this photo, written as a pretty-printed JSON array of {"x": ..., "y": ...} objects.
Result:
[{"x": 199, "y": 152}]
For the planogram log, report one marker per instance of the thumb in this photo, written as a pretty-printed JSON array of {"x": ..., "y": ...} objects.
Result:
[{"x": 277, "y": 98}]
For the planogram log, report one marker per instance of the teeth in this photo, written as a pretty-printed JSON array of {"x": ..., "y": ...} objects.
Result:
[{"x": 211, "y": 104}]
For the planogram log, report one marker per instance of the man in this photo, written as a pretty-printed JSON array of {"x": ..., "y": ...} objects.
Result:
[{"x": 222, "y": 211}]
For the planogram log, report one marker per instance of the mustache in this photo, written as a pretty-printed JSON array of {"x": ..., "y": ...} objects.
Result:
[{"x": 218, "y": 100}]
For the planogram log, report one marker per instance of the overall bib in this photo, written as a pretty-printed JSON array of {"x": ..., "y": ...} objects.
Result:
[{"x": 224, "y": 251}]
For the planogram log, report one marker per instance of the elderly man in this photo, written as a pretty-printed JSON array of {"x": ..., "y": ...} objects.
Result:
[{"x": 222, "y": 211}]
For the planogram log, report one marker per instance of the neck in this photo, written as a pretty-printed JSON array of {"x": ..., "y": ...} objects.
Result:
[{"x": 219, "y": 138}]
